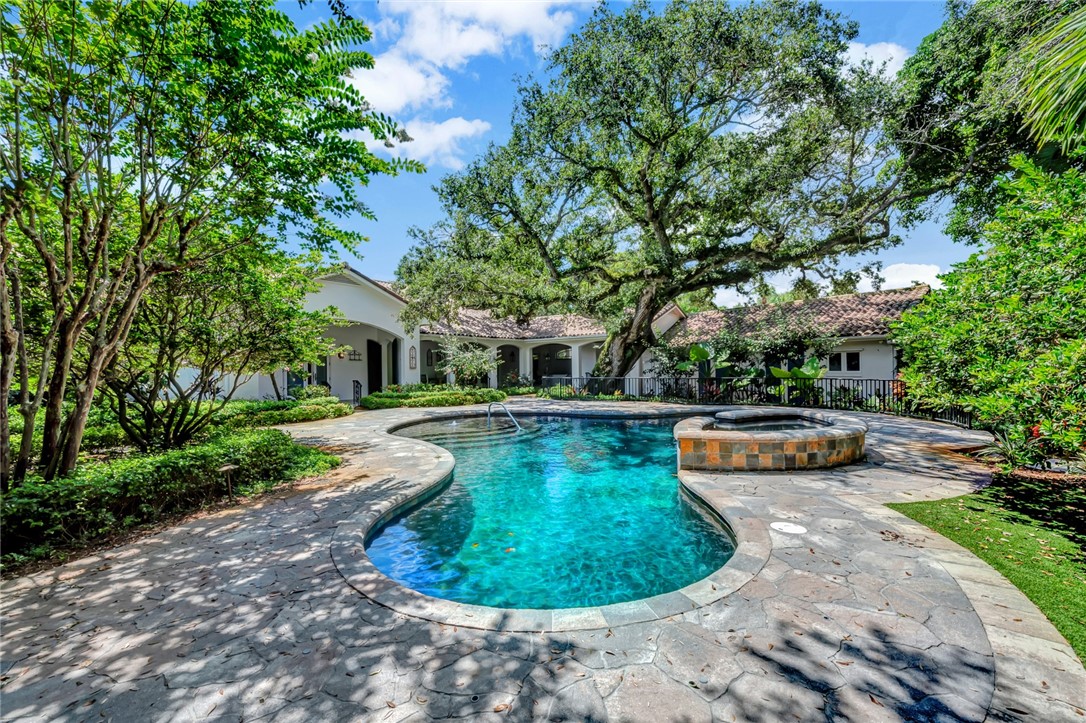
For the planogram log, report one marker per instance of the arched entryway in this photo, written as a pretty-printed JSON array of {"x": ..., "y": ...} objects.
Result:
[
  {"x": 508, "y": 357},
  {"x": 551, "y": 360}
]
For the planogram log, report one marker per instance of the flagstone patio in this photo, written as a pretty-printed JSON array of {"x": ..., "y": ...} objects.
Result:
[{"x": 243, "y": 614}]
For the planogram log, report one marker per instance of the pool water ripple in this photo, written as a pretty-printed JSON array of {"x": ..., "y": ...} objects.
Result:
[{"x": 568, "y": 513}]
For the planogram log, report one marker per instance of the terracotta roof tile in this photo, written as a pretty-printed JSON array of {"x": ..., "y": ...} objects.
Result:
[
  {"x": 478, "y": 323},
  {"x": 847, "y": 315}
]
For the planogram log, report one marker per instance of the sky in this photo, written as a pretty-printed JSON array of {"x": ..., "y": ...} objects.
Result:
[{"x": 448, "y": 72}]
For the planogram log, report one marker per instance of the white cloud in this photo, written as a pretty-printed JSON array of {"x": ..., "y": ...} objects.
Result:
[
  {"x": 892, "y": 54},
  {"x": 440, "y": 143},
  {"x": 396, "y": 83},
  {"x": 900, "y": 276},
  {"x": 449, "y": 34}
]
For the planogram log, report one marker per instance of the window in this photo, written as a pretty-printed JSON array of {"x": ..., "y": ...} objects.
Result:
[{"x": 851, "y": 361}]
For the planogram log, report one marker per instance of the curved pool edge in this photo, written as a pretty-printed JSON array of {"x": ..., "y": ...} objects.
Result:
[{"x": 348, "y": 551}]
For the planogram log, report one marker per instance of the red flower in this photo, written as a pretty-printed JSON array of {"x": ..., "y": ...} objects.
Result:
[{"x": 1035, "y": 430}]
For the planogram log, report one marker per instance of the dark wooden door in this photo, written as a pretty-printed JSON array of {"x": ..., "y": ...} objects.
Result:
[{"x": 373, "y": 366}]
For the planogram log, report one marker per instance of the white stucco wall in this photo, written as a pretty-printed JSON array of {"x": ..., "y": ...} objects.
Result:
[{"x": 372, "y": 314}]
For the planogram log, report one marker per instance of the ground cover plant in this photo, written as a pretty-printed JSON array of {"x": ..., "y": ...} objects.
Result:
[
  {"x": 1033, "y": 533},
  {"x": 430, "y": 395},
  {"x": 43, "y": 518}
]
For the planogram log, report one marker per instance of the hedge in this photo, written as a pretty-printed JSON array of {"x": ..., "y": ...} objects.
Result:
[
  {"x": 101, "y": 499},
  {"x": 437, "y": 398},
  {"x": 262, "y": 414}
]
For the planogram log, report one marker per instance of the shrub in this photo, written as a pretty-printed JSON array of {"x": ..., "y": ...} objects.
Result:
[
  {"x": 313, "y": 391},
  {"x": 100, "y": 499},
  {"x": 444, "y": 397},
  {"x": 244, "y": 413},
  {"x": 526, "y": 389}
]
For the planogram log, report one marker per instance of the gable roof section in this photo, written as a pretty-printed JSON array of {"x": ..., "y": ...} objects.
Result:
[
  {"x": 847, "y": 315},
  {"x": 349, "y": 275}
]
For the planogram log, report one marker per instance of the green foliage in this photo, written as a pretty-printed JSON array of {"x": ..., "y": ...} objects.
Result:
[
  {"x": 961, "y": 118},
  {"x": 1032, "y": 533},
  {"x": 468, "y": 361},
  {"x": 201, "y": 333},
  {"x": 671, "y": 149},
  {"x": 142, "y": 139},
  {"x": 1055, "y": 102},
  {"x": 263, "y": 414},
  {"x": 313, "y": 391},
  {"x": 102, "y": 499},
  {"x": 520, "y": 391},
  {"x": 1013, "y": 448},
  {"x": 779, "y": 335},
  {"x": 430, "y": 395},
  {"x": 1007, "y": 335}
]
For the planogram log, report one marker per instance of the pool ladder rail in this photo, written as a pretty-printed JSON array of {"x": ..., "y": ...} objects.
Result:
[{"x": 507, "y": 412}]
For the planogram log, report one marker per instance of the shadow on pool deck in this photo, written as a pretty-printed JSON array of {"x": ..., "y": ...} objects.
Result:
[{"x": 242, "y": 614}]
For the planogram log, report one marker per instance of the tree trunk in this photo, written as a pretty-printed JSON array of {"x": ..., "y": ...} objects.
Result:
[
  {"x": 624, "y": 347},
  {"x": 10, "y": 339},
  {"x": 275, "y": 387},
  {"x": 54, "y": 402}
]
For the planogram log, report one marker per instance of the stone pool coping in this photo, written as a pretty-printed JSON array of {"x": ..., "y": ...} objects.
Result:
[{"x": 752, "y": 550}]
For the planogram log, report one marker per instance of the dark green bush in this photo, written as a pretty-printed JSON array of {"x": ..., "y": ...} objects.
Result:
[
  {"x": 262, "y": 414},
  {"x": 313, "y": 391},
  {"x": 445, "y": 397},
  {"x": 104, "y": 498},
  {"x": 514, "y": 391}
]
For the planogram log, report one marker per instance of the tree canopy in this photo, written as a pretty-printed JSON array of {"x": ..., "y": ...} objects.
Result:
[
  {"x": 1006, "y": 336},
  {"x": 142, "y": 139},
  {"x": 962, "y": 117},
  {"x": 666, "y": 152}
]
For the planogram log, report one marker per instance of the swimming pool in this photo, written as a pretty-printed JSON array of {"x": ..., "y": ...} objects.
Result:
[{"x": 569, "y": 513}]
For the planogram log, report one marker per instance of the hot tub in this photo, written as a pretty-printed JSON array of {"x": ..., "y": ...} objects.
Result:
[{"x": 764, "y": 439}]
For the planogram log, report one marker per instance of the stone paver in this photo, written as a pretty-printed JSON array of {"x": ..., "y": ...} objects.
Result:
[{"x": 243, "y": 615}]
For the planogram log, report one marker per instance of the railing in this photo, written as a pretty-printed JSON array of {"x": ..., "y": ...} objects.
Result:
[
  {"x": 887, "y": 396},
  {"x": 506, "y": 410}
]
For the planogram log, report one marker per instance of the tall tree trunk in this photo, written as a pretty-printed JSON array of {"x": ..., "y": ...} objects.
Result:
[
  {"x": 10, "y": 342},
  {"x": 275, "y": 387},
  {"x": 58, "y": 387},
  {"x": 625, "y": 346}
]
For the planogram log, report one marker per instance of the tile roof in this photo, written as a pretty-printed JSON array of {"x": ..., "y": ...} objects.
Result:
[
  {"x": 847, "y": 315},
  {"x": 479, "y": 323}
]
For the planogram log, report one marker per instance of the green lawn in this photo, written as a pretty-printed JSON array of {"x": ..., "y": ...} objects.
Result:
[{"x": 1034, "y": 536}]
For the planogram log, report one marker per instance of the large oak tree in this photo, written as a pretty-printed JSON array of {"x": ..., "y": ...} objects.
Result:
[{"x": 698, "y": 147}]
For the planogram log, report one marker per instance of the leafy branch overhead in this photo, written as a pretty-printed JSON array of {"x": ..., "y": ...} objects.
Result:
[
  {"x": 666, "y": 152},
  {"x": 148, "y": 138}
]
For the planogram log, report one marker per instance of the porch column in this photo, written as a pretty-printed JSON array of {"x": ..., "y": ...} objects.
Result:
[
  {"x": 575, "y": 360},
  {"x": 492, "y": 375},
  {"x": 525, "y": 360}
]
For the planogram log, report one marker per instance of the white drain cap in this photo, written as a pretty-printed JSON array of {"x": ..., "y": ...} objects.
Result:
[{"x": 789, "y": 527}]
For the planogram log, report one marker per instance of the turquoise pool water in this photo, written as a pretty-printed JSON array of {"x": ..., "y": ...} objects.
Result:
[{"x": 568, "y": 513}]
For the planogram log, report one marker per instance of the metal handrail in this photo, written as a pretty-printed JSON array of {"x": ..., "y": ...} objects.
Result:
[{"x": 510, "y": 415}]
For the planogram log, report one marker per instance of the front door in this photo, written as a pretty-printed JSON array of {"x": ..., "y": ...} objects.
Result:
[{"x": 373, "y": 366}]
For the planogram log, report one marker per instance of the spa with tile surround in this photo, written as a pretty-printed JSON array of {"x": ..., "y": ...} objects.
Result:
[{"x": 763, "y": 439}]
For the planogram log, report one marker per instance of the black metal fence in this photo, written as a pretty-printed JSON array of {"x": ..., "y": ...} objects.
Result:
[{"x": 887, "y": 396}]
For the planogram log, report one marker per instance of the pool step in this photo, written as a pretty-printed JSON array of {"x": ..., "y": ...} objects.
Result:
[{"x": 472, "y": 437}]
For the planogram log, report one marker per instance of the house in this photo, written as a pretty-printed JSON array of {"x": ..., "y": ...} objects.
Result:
[
  {"x": 860, "y": 321},
  {"x": 381, "y": 351}
]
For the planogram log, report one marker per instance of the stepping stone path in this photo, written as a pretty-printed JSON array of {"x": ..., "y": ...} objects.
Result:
[{"x": 243, "y": 615}]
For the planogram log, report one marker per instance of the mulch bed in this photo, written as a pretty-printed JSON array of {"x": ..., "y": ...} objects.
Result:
[{"x": 1037, "y": 475}]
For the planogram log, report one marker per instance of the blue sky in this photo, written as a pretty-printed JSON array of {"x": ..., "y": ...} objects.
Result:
[{"x": 448, "y": 70}]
